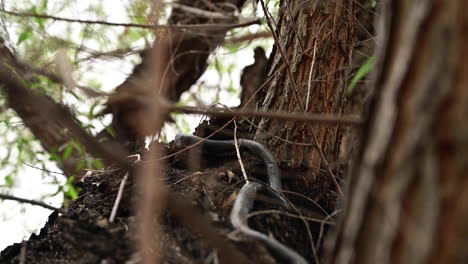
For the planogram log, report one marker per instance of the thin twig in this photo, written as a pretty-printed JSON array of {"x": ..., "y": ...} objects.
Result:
[
  {"x": 202, "y": 13},
  {"x": 90, "y": 92},
  {"x": 44, "y": 170},
  {"x": 273, "y": 211},
  {"x": 313, "y": 62},
  {"x": 293, "y": 25},
  {"x": 309, "y": 232},
  {"x": 310, "y": 74},
  {"x": 350, "y": 120},
  {"x": 217, "y": 130},
  {"x": 239, "y": 158},
  {"x": 173, "y": 27},
  {"x": 308, "y": 199},
  {"x": 28, "y": 201},
  {"x": 319, "y": 239},
  {"x": 118, "y": 198},
  {"x": 248, "y": 37},
  {"x": 277, "y": 137}
]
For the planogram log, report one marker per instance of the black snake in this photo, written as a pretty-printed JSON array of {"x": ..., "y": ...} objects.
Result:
[{"x": 247, "y": 194}]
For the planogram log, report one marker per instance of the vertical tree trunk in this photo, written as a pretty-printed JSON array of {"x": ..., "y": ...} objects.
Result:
[
  {"x": 407, "y": 197},
  {"x": 316, "y": 37}
]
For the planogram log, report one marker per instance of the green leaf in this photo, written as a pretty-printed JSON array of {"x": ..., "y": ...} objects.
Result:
[
  {"x": 27, "y": 33},
  {"x": 68, "y": 151},
  {"x": 111, "y": 131},
  {"x": 80, "y": 165},
  {"x": 361, "y": 73},
  {"x": 40, "y": 21},
  {"x": 97, "y": 164},
  {"x": 91, "y": 110},
  {"x": 54, "y": 157},
  {"x": 77, "y": 145},
  {"x": 10, "y": 182},
  {"x": 71, "y": 191},
  {"x": 38, "y": 10},
  {"x": 133, "y": 35},
  {"x": 373, "y": 3}
]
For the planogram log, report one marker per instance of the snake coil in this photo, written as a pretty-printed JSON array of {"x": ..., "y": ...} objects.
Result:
[{"x": 246, "y": 196}]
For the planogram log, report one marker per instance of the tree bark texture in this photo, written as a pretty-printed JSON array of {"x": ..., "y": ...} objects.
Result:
[
  {"x": 316, "y": 38},
  {"x": 189, "y": 51},
  {"x": 52, "y": 123},
  {"x": 407, "y": 196}
]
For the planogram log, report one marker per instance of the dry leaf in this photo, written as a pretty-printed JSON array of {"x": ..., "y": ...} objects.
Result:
[
  {"x": 230, "y": 200},
  {"x": 230, "y": 175},
  {"x": 197, "y": 176}
]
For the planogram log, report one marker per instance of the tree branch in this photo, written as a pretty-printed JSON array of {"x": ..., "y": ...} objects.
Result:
[
  {"x": 33, "y": 202},
  {"x": 249, "y": 37},
  {"x": 226, "y": 26},
  {"x": 351, "y": 120},
  {"x": 189, "y": 54},
  {"x": 53, "y": 124}
]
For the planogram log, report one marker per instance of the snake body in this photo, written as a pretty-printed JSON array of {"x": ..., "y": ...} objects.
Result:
[
  {"x": 227, "y": 148},
  {"x": 246, "y": 196}
]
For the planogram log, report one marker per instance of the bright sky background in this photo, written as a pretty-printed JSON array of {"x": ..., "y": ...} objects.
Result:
[{"x": 17, "y": 221}]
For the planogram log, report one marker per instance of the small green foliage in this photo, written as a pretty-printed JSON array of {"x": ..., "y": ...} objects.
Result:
[
  {"x": 98, "y": 164},
  {"x": 54, "y": 156},
  {"x": 373, "y": 3},
  {"x": 25, "y": 35},
  {"x": 78, "y": 146},
  {"x": 91, "y": 110},
  {"x": 80, "y": 165},
  {"x": 361, "y": 73},
  {"x": 69, "y": 191},
  {"x": 40, "y": 21},
  {"x": 231, "y": 89},
  {"x": 94, "y": 83},
  {"x": 111, "y": 131},
  {"x": 233, "y": 47},
  {"x": 68, "y": 151},
  {"x": 9, "y": 181}
]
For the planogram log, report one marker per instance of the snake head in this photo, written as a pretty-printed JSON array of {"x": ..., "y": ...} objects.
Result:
[{"x": 183, "y": 140}]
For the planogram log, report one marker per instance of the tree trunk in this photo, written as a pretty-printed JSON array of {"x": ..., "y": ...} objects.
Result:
[
  {"x": 316, "y": 38},
  {"x": 407, "y": 197}
]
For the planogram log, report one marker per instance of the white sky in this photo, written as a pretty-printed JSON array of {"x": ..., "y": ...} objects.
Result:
[{"x": 17, "y": 221}]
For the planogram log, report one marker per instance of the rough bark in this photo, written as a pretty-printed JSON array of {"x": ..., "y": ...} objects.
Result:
[
  {"x": 252, "y": 77},
  {"x": 189, "y": 53},
  {"x": 53, "y": 124},
  {"x": 407, "y": 195},
  {"x": 316, "y": 38},
  {"x": 189, "y": 50}
]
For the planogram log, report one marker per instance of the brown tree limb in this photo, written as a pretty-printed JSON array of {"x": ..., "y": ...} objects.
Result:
[
  {"x": 53, "y": 124},
  {"x": 189, "y": 53},
  {"x": 249, "y": 37},
  {"x": 312, "y": 118}
]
